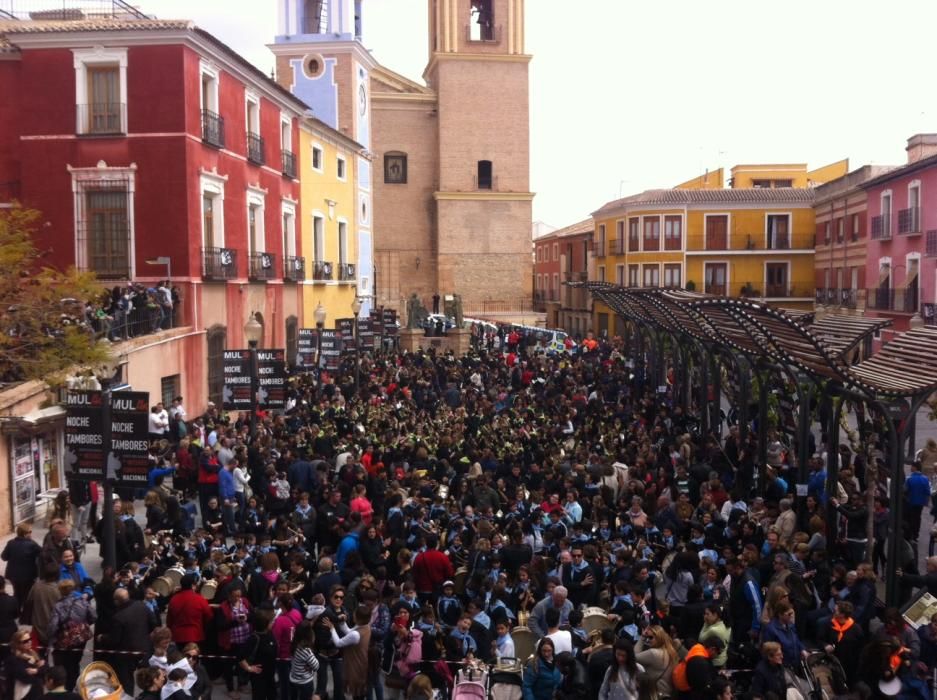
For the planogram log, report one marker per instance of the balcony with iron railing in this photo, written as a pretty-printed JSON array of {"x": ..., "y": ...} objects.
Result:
[
  {"x": 346, "y": 272},
  {"x": 761, "y": 241},
  {"x": 600, "y": 249},
  {"x": 618, "y": 246},
  {"x": 288, "y": 159},
  {"x": 897, "y": 300},
  {"x": 881, "y": 228},
  {"x": 909, "y": 221},
  {"x": 212, "y": 129},
  {"x": 102, "y": 119},
  {"x": 483, "y": 33},
  {"x": 485, "y": 183},
  {"x": 255, "y": 148},
  {"x": 321, "y": 271},
  {"x": 262, "y": 267},
  {"x": 294, "y": 268},
  {"x": 781, "y": 290},
  {"x": 219, "y": 263},
  {"x": 69, "y": 10},
  {"x": 930, "y": 244}
]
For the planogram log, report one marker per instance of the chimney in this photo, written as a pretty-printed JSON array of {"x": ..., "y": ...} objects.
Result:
[{"x": 921, "y": 146}]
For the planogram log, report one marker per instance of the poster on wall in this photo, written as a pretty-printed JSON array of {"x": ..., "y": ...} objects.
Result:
[
  {"x": 271, "y": 378},
  {"x": 306, "y": 347},
  {"x": 24, "y": 482}
]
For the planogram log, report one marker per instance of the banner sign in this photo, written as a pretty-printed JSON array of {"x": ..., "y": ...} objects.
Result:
[
  {"x": 346, "y": 328},
  {"x": 365, "y": 334},
  {"x": 129, "y": 461},
  {"x": 390, "y": 321},
  {"x": 84, "y": 441},
  {"x": 331, "y": 350},
  {"x": 236, "y": 395},
  {"x": 271, "y": 378},
  {"x": 306, "y": 346}
]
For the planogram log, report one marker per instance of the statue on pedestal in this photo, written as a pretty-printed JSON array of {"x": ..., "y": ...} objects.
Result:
[{"x": 416, "y": 313}]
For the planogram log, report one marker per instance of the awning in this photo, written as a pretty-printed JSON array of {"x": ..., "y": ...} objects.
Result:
[{"x": 32, "y": 420}]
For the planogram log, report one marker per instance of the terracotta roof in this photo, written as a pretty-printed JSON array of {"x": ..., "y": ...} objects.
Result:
[
  {"x": 91, "y": 25},
  {"x": 584, "y": 226},
  {"x": 780, "y": 195}
]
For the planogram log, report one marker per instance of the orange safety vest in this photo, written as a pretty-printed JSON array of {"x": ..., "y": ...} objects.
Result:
[{"x": 679, "y": 671}]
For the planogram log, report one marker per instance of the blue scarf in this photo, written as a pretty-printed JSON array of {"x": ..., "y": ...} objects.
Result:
[
  {"x": 426, "y": 627},
  {"x": 501, "y": 641},
  {"x": 483, "y": 619},
  {"x": 468, "y": 644}
]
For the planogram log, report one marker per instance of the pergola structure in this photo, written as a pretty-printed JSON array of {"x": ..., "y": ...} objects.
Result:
[{"x": 831, "y": 354}]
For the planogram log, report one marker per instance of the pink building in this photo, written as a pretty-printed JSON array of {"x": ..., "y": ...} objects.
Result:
[{"x": 902, "y": 248}]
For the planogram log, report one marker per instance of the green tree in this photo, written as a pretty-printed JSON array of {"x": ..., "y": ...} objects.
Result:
[{"x": 42, "y": 328}]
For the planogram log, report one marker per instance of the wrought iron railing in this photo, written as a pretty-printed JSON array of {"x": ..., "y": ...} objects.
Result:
[
  {"x": 262, "y": 266},
  {"x": 600, "y": 249},
  {"x": 289, "y": 163},
  {"x": 294, "y": 268},
  {"x": 69, "y": 10},
  {"x": 881, "y": 228},
  {"x": 212, "y": 128},
  {"x": 255, "y": 148},
  {"x": 219, "y": 263},
  {"x": 346, "y": 272},
  {"x": 909, "y": 220},
  {"x": 899, "y": 300},
  {"x": 321, "y": 270}
]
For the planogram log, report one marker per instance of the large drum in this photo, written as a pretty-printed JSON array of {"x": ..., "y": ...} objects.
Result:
[
  {"x": 460, "y": 575},
  {"x": 595, "y": 619},
  {"x": 525, "y": 643},
  {"x": 163, "y": 586},
  {"x": 208, "y": 589},
  {"x": 175, "y": 575}
]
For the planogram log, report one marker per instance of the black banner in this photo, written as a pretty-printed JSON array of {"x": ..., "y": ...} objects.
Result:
[
  {"x": 390, "y": 321},
  {"x": 306, "y": 347},
  {"x": 129, "y": 461},
  {"x": 84, "y": 440},
  {"x": 236, "y": 395},
  {"x": 365, "y": 334},
  {"x": 271, "y": 378},
  {"x": 331, "y": 350},
  {"x": 346, "y": 329}
]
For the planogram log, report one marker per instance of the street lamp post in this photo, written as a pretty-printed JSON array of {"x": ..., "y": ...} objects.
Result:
[
  {"x": 253, "y": 332},
  {"x": 109, "y": 543},
  {"x": 356, "y": 309},
  {"x": 319, "y": 314}
]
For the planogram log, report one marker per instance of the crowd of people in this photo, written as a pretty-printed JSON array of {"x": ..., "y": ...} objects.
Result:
[
  {"x": 126, "y": 312},
  {"x": 372, "y": 544}
]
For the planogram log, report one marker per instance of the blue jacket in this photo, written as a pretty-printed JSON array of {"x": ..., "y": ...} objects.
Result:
[
  {"x": 787, "y": 637},
  {"x": 917, "y": 489},
  {"x": 226, "y": 485},
  {"x": 348, "y": 545},
  {"x": 816, "y": 485},
  {"x": 542, "y": 682}
]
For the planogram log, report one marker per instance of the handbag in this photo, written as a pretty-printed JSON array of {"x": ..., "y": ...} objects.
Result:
[{"x": 74, "y": 633}]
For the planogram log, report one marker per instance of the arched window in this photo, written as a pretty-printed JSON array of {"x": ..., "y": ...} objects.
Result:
[
  {"x": 217, "y": 338},
  {"x": 395, "y": 168},
  {"x": 485, "y": 177}
]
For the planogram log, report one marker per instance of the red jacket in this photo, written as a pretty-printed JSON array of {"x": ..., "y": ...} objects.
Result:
[
  {"x": 430, "y": 569},
  {"x": 187, "y": 615}
]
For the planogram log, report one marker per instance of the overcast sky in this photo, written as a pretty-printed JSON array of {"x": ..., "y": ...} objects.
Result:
[{"x": 627, "y": 94}]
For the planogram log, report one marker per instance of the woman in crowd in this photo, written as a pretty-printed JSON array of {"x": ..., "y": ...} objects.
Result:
[
  {"x": 304, "y": 666},
  {"x": 23, "y": 667},
  {"x": 541, "y": 676},
  {"x": 621, "y": 679},
  {"x": 657, "y": 656},
  {"x": 70, "y": 629}
]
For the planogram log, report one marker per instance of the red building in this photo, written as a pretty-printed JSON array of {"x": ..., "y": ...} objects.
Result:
[
  {"x": 562, "y": 256},
  {"x": 138, "y": 139}
]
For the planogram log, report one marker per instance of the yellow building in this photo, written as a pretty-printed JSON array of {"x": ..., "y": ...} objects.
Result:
[
  {"x": 329, "y": 220},
  {"x": 756, "y": 242}
]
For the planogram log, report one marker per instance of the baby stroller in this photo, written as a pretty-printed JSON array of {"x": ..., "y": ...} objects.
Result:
[
  {"x": 471, "y": 683},
  {"x": 507, "y": 680},
  {"x": 826, "y": 677},
  {"x": 98, "y": 681}
]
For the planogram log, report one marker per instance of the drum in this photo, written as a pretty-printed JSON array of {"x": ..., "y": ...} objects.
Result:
[
  {"x": 595, "y": 619},
  {"x": 175, "y": 575},
  {"x": 163, "y": 586},
  {"x": 208, "y": 589},
  {"x": 460, "y": 575},
  {"x": 525, "y": 643}
]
